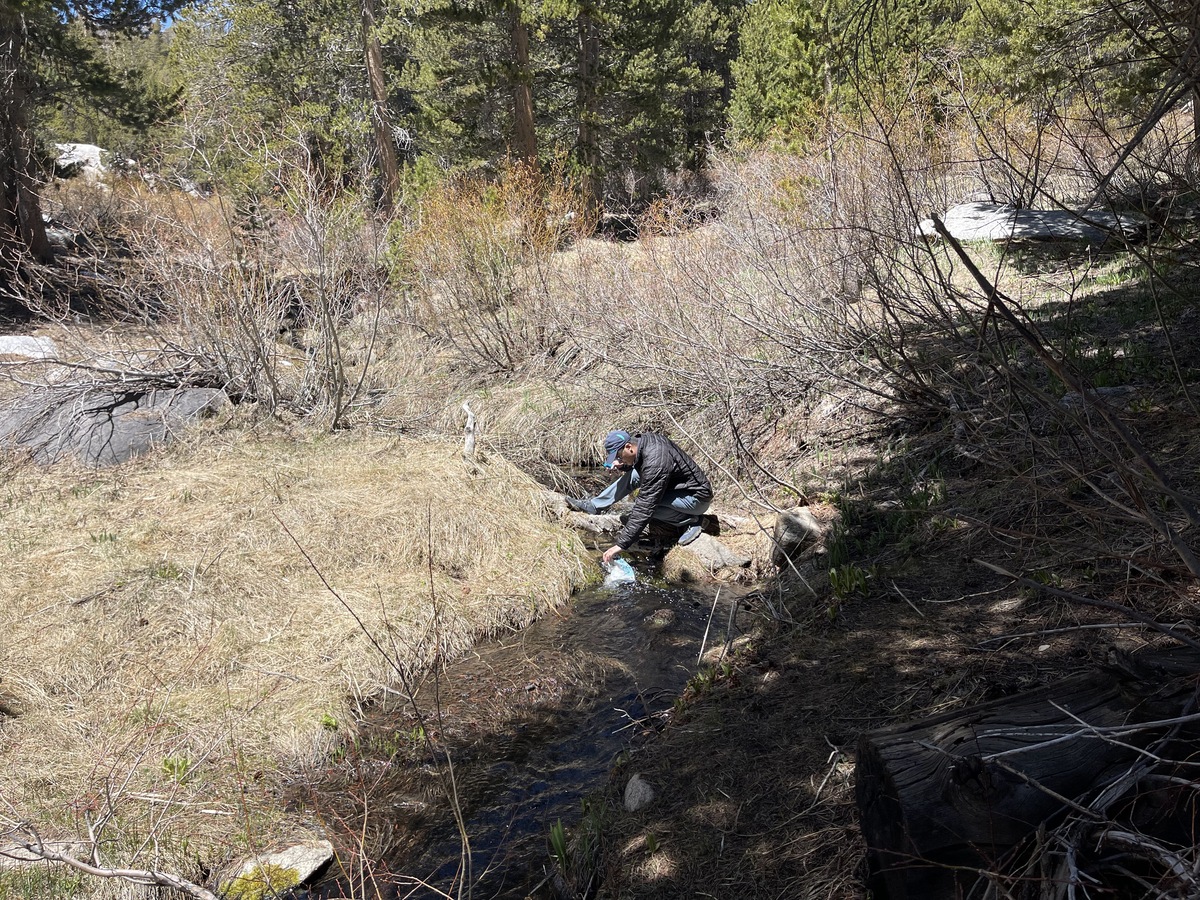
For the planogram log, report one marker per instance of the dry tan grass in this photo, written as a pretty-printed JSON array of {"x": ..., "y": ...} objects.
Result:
[{"x": 170, "y": 651}]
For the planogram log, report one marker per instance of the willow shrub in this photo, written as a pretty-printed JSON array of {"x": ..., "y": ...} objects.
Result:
[{"x": 475, "y": 265}]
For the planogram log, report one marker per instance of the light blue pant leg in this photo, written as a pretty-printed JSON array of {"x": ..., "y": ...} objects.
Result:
[
  {"x": 618, "y": 490},
  {"x": 680, "y": 508}
]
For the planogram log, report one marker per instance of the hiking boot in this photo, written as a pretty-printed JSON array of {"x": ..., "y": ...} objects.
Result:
[
  {"x": 650, "y": 545},
  {"x": 582, "y": 505},
  {"x": 690, "y": 535}
]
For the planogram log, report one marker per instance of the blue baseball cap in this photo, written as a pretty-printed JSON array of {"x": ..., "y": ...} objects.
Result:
[{"x": 613, "y": 442}]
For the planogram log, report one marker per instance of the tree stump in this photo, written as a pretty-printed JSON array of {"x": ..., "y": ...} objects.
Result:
[{"x": 943, "y": 799}]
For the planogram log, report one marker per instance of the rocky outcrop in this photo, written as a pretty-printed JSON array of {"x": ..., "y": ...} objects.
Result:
[
  {"x": 101, "y": 426},
  {"x": 984, "y": 221}
]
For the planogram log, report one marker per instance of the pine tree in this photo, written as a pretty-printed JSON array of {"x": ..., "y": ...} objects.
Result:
[
  {"x": 1031, "y": 53},
  {"x": 781, "y": 74},
  {"x": 801, "y": 59},
  {"x": 639, "y": 86},
  {"x": 306, "y": 81},
  {"x": 472, "y": 77},
  {"x": 36, "y": 33},
  {"x": 119, "y": 100}
]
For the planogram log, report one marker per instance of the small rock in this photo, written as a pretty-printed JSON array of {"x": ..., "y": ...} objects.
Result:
[
  {"x": 638, "y": 793},
  {"x": 795, "y": 530},
  {"x": 280, "y": 871}
]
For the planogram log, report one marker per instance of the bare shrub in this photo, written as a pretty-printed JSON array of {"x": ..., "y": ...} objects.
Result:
[
  {"x": 277, "y": 300},
  {"x": 475, "y": 264}
]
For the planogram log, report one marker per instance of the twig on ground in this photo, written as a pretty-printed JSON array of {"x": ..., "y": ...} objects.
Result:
[
  {"x": 711, "y": 613},
  {"x": 1133, "y": 614},
  {"x": 25, "y": 838}
]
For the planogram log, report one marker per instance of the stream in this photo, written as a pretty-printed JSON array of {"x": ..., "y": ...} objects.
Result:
[{"x": 533, "y": 723}]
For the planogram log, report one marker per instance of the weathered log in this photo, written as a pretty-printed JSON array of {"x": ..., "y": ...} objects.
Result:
[{"x": 943, "y": 799}]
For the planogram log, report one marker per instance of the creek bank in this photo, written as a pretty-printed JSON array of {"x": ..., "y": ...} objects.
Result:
[{"x": 533, "y": 725}]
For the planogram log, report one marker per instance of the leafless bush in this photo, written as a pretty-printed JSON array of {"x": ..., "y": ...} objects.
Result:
[
  {"x": 281, "y": 308},
  {"x": 475, "y": 263}
]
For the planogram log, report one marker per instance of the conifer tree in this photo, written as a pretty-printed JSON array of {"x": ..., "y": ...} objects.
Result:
[
  {"x": 640, "y": 87},
  {"x": 1032, "y": 52},
  {"x": 472, "y": 78},
  {"x": 802, "y": 58},
  {"x": 35, "y": 34},
  {"x": 119, "y": 105},
  {"x": 781, "y": 73},
  {"x": 310, "y": 81}
]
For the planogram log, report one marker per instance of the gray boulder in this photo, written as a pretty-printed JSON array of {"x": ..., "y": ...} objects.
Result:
[
  {"x": 795, "y": 531},
  {"x": 86, "y": 160},
  {"x": 1001, "y": 222},
  {"x": 101, "y": 426}
]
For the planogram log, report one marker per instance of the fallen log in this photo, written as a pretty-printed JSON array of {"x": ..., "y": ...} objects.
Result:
[{"x": 943, "y": 800}]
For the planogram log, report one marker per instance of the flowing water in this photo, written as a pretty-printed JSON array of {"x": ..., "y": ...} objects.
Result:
[{"x": 533, "y": 724}]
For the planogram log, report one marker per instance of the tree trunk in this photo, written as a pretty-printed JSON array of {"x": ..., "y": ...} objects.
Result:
[
  {"x": 22, "y": 231},
  {"x": 1194, "y": 69},
  {"x": 381, "y": 118},
  {"x": 587, "y": 92},
  {"x": 942, "y": 799},
  {"x": 524, "y": 136}
]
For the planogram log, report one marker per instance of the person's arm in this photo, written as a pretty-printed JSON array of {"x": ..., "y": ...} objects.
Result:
[{"x": 650, "y": 491}]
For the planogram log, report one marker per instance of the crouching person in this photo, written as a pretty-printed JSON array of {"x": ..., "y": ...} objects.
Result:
[{"x": 671, "y": 488}]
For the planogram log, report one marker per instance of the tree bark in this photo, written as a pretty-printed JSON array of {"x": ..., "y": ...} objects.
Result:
[
  {"x": 22, "y": 231},
  {"x": 381, "y": 118},
  {"x": 524, "y": 136},
  {"x": 587, "y": 92},
  {"x": 943, "y": 799}
]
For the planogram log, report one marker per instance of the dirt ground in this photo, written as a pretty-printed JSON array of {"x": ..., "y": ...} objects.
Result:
[{"x": 754, "y": 776}]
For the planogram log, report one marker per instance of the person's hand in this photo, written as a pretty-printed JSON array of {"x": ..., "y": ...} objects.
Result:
[{"x": 612, "y": 553}]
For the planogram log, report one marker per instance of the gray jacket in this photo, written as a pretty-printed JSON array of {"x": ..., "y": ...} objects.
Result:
[{"x": 664, "y": 469}]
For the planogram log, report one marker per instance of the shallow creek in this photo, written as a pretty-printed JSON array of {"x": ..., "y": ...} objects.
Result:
[{"x": 533, "y": 724}]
